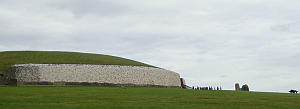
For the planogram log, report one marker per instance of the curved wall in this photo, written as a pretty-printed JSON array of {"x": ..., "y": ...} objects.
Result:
[{"x": 112, "y": 74}]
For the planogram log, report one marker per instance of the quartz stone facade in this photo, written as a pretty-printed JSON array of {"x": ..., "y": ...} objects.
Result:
[{"x": 78, "y": 73}]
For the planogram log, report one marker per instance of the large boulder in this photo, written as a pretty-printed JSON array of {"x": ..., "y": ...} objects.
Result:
[{"x": 245, "y": 87}]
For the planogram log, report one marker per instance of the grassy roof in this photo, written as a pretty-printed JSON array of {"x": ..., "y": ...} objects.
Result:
[{"x": 10, "y": 58}]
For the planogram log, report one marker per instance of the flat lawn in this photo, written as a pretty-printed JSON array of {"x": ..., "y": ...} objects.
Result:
[{"x": 138, "y": 97}]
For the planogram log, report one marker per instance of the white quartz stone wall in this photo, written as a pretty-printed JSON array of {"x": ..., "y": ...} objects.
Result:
[{"x": 96, "y": 73}]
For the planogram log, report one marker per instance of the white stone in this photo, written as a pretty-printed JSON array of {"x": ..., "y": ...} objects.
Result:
[{"x": 96, "y": 73}]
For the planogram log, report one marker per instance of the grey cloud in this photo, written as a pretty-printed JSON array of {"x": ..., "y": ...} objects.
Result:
[
  {"x": 80, "y": 8},
  {"x": 223, "y": 76},
  {"x": 296, "y": 56},
  {"x": 281, "y": 27}
]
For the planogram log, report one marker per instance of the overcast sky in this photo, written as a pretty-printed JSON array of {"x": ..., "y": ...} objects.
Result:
[{"x": 208, "y": 42}]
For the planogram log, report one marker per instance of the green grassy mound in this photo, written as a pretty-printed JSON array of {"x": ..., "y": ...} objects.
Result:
[
  {"x": 42, "y": 57},
  {"x": 97, "y": 97}
]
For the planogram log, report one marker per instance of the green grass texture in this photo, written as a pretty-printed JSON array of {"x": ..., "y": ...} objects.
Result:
[
  {"x": 31, "y": 96},
  {"x": 10, "y": 58}
]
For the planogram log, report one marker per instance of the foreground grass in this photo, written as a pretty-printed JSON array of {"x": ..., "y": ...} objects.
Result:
[
  {"x": 10, "y": 58},
  {"x": 138, "y": 97}
]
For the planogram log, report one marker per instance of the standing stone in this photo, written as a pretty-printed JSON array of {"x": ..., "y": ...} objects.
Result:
[
  {"x": 245, "y": 87},
  {"x": 237, "y": 87}
]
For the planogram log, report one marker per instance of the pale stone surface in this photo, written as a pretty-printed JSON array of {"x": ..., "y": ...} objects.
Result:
[{"x": 93, "y": 73}]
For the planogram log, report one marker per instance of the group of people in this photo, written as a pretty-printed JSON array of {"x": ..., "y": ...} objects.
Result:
[{"x": 206, "y": 88}]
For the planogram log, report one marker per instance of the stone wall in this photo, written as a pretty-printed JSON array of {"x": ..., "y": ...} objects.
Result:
[{"x": 97, "y": 74}]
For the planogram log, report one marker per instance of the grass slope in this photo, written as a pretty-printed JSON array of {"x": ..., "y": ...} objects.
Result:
[
  {"x": 21, "y": 57},
  {"x": 139, "y": 97}
]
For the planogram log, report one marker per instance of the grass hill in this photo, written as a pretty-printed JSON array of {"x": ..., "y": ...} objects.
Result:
[{"x": 9, "y": 58}]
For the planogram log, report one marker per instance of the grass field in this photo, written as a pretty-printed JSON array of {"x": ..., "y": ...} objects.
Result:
[
  {"x": 139, "y": 97},
  {"x": 22, "y": 57},
  {"x": 115, "y": 97}
]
